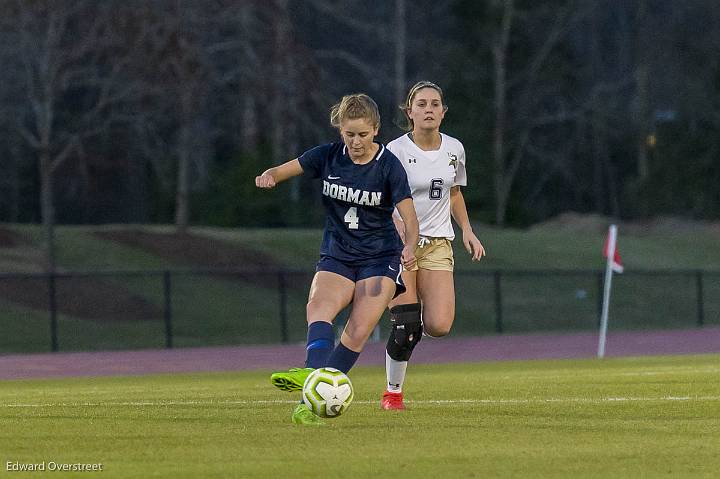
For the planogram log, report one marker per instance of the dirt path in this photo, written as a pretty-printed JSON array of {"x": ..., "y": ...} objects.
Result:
[{"x": 486, "y": 348}]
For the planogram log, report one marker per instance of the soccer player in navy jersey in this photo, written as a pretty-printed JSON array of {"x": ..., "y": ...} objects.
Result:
[{"x": 361, "y": 256}]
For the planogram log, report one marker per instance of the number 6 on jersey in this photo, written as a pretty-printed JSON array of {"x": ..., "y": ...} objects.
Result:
[{"x": 351, "y": 218}]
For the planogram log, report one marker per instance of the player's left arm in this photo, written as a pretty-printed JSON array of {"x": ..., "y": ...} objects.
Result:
[
  {"x": 406, "y": 209},
  {"x": 460, "y": 215}
]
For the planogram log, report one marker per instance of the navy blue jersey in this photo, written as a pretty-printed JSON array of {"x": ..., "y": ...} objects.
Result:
[{"x": 359, "y": 201}]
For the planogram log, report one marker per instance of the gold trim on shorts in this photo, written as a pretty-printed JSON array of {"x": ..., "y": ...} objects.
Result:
[{"x": 435, "y": 254}]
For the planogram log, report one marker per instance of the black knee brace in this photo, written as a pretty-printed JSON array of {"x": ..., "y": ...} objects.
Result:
[{"x": 406, "y": 331}]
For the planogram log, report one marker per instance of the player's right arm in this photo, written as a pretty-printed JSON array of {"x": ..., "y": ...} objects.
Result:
[
  {"x": 406, "y": 209},
  {"x": 399, "y": 224},
  {"x": 271, "y": 177}
]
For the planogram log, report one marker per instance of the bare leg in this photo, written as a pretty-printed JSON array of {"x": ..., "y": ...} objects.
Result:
[
  {"x": 437, "y": 290},
  {"x": 372, "y": 296},
  {"x": 329, "y": 294},
  {"x": 410, "y": 295}
]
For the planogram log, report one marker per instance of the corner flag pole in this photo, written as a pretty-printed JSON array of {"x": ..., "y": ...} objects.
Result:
[{"x": 612, "y": 240}]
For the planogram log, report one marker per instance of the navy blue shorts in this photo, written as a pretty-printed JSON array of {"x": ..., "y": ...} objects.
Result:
[{"x": 389, "y": 266}]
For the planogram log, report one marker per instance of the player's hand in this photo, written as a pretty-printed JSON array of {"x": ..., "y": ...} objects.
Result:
[
  {"x": 265, "y": 181},
  {"x": 408, "y": 257},
  {"x": 473, "y": 245}
]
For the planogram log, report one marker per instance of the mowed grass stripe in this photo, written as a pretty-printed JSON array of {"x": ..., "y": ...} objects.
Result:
[{"x": 442, "y": 402}]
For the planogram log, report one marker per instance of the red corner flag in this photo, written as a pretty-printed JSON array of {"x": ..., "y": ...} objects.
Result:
[{"x": 611, "y": 244}]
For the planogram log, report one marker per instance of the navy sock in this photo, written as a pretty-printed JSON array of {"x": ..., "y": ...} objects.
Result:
[
  {"x": 320, "y": 343},
  {"x": 342, "y": 358}
]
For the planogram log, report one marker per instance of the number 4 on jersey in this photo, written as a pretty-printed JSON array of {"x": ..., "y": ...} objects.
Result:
[{"x": 351, "y": 218}]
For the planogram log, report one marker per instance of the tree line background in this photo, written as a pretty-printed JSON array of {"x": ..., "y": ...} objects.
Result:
[{"x": 164, "y": 111}]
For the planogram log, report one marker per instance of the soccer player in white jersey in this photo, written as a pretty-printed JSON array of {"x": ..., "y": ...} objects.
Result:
[{"x": 435, "y": 166}]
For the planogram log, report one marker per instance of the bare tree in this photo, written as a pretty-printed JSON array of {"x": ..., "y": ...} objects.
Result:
[
  {"x": 12, "y": 161},
  {"x": 71, "y": 63},
  {"x": 186, "y": 68},
  {"x": 400, "y": 51},
  {"x": 500, "y": 50},
  {"x": 283, "y": 84},
  {"x": 232, "y": 51},
  {"x": 247, "y": 69},
  {"x": 642, "y": 100},
  {"x": 605, "y": 77},
  {"x": 524, "y": 101},
  {"x": 373, "y": 70}
]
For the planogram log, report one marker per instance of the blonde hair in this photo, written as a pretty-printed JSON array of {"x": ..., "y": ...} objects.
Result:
[
  {"x": 409, "y": 124},
  {"x": 352, "y": 107}
]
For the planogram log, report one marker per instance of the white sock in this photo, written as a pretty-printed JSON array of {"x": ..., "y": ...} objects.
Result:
[{"x": 395, "y": 371}]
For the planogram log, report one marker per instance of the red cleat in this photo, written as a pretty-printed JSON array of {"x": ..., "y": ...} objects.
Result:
[{"x": 392, "y": 401}]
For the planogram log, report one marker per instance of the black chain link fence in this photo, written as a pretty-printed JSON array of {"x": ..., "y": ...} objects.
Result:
[{"x": 75, "y": 311}]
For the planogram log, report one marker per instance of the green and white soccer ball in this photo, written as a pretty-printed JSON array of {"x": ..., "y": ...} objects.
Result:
[{"x": 327, "y": 392}]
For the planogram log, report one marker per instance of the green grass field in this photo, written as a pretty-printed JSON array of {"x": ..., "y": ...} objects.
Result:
[{"x": 622, "y": 418}]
